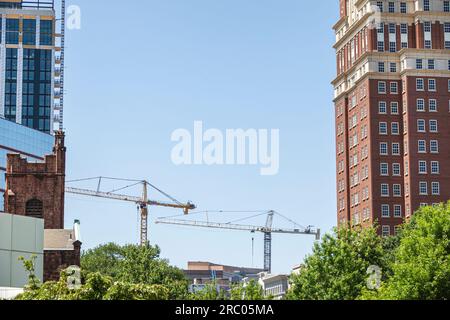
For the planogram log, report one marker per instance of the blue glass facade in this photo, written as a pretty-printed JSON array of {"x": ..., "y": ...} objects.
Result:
[
  {"x": 16, "y": 138},
  {"x": 30, "y": 77}
]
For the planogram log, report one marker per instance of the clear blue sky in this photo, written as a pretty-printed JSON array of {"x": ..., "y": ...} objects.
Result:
[{"x": 138, "y": 71}]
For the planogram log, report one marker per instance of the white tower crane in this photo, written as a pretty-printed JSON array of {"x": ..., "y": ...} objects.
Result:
[
  {"x": 143, "y": 202},
  {"x": 267, "y": 230}
]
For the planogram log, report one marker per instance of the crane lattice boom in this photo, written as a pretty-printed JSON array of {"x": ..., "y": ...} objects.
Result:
[
  {"x": 143, "y": 202},
  {"x": 267, "y": 230}
]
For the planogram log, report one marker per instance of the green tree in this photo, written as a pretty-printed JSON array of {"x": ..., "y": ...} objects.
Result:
[
  {"x": 97, "y": 287},
  {"x": 135, "y": 264},
  {"x": 337, "y": 269},
  {"x": 251, "y": 292},
  {"x": 421, "y": 270}
]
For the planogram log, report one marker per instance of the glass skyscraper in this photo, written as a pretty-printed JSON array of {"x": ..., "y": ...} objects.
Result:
[
  {"x": 30, "y": 80},
  {"x": 30, "y": 64}
]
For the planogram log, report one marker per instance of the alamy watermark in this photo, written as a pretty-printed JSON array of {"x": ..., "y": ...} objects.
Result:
[
  {"x": 73, "y": 17},
  {"x": 256, "y": 147}
]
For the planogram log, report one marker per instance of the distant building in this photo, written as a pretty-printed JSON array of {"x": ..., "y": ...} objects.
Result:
[
  {"x": 203, "y": 273},
  {"x": 392, "y": 94},
  {"x": 20, "y": 237},
  {"x": 29, "y": 143},
  {"x": 275, "y": 286},
  {"x": 30, "y": 64},
  {"x": 37, "y": 190},
  {"x": 296, "y": 270},
  {"x": 62, "y": 249}
]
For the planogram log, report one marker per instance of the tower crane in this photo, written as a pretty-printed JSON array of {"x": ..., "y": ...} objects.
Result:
[
  {"x": 143, "y": 201},
  {"x": 267, "y": 230}
]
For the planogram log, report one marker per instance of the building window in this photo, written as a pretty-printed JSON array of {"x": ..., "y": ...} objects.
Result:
[
  {"x": 34, "y": 208},
  {"x": 393, "y": 67},
  {"x": 435, "y": 188},
  {"x": 434, "y": 146},
  {"x": 435, "y": 167},
  {"x": 46, "y": 33},
  {"x": 432, "y": 105},
  {"x": 391, "y": 7},
  {"x": 384, "y": 169},
  {"x": 433, "y": 126},
  {"x": 383, "y": 128},
  {"x": 386, "y": 231},
  {"x": 381, "y": 87},
  {"x": 385, "y": 211},
  {"x": 397, "y": 211},
  {"x": 394, "y": 87},
  {"x": 12, "y": 31},
  {"x": 394, "y": 108},
  {"x": 11, "y": 84},
  {"x": 419, "y": 64},
  {"x": 421, "y": 125},
  {"x": 396, "y": 170},
  {"x": 420, "y": 84},
  {"x": 403, "y": 8},
  {"x": 431, "y": 84},
  {"x": 422, "y": 167},
  {"x": 420, "y": 105},
  {"x": 380, "y": 5},
  {"x": 431, "y": 64},
  {"x": 426, "y": 5},
  {"x": 384, "y": 190},
  {"x": 397, "y": 190},
  {"x": 396, "y": 149},
  {"x": 383, "y": 149},
  {"x": 403, "y": 28},
  {"x": 381, "y": 67},
  {"x": 392, "y": 47},
  {"x": 423, "y": 188},
  {"x": 427, "y": 44},
  {"x": 446, "y": 6},
  {"x": 382, "y": 109},
  {"x": 29, "y": 31},
  {"x": 380, "y": 46},
  {"x": 422, "y": 146},
  {"x": 395, "y": 128}
]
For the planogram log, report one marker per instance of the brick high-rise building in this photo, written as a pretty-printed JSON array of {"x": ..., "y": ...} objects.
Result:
[{"x": 392, "y": 101}]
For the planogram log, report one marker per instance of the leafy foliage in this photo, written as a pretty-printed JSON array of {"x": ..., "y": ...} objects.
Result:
[
  {"x": 337, "y": 269},
  {"x": 134, "y": 264},
  {"x": 251, "y": 292},
  {"x": 421, "y": 270},
  {"x": 97, "y": 287}
]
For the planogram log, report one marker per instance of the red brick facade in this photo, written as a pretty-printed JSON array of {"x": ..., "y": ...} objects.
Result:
[
  {"x": 56, "y": 261},
  {"x": 37, "y": 190},
  {"x": 41, "y": 182},
  {"x": 385, "y": 187}
]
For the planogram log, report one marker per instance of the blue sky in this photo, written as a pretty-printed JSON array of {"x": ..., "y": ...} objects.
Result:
[{"x": 137, "y": 72}]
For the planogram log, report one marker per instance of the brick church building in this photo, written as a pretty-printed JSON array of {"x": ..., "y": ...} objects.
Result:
[{"x": 37, "y": 190}]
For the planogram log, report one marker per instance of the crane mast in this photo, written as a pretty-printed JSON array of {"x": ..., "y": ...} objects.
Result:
[{"x": 267, "y": 230}]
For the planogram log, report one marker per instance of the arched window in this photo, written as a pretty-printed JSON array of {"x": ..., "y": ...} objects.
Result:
[{"x": 34, "y": 208}]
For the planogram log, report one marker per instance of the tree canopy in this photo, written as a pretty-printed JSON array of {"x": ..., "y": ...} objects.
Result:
[{"x": 135, "y": 265}]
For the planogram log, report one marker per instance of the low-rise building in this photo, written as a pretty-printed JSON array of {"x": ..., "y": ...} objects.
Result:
[
  {"x": 203, "y": 273},
  {"x": 274, "y": 286},
  {"x": 20, "y": 236}
]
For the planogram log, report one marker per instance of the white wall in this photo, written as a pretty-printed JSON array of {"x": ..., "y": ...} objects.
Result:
[{"x": 20, "y": 237}]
